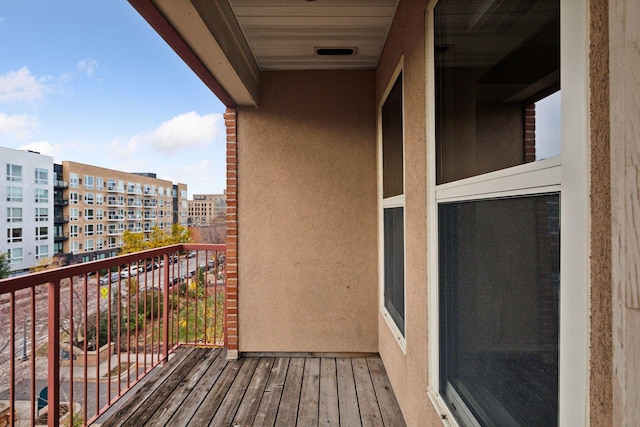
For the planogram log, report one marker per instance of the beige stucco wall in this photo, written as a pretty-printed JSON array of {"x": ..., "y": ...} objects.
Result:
[
  {"x": 408, "y": 370},
  {"x": 307, "y": 242}
]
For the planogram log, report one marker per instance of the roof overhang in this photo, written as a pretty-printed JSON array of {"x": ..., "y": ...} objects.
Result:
[{"x": 228, "y": 43}]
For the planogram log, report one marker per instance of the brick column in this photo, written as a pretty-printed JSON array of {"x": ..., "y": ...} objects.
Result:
[
  {"x": 529, "y": 133},
  {"x": 231, "y": 297}
]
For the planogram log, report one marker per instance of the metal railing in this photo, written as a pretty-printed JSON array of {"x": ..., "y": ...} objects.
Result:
[{"x": 76, "y": 338}]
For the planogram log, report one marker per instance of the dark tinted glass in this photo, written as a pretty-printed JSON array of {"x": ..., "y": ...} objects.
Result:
[
  {"x": 499, "y": 283},
  {"x": 392, "y": 142},
  {"x": 493, "y": 62},
  {"x": 394, "y": 264}
]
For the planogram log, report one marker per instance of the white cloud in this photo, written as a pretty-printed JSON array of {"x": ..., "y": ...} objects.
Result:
[
  {"x": 42, "y": 147},
  {"x": 183, "y": 132},
  {"x": 88, "y": 66},
  {"x": 17, "y": 125},
  {"x": 22, "y": 86}
]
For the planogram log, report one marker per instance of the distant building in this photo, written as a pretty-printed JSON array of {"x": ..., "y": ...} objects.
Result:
[
  {"x": 26, "y": 216},
  {"x": 99, "y": 204},
  {"x": 207, "y": 209},
  {"x": 180, "y": 205}
]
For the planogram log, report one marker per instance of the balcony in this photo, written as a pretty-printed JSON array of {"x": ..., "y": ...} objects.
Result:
[
  {"x": 60, "y": 202},
  {"x": 60, "y": 219},
  {"x": 60, "y": 184},
  {"x": 60, "y": 237},
  {"x": 62, "y": 341}
]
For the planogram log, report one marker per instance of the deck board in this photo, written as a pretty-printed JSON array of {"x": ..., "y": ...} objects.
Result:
[{"x": 200, "y": 387}]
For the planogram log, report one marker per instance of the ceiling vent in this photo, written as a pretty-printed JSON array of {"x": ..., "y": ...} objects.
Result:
[{"x": 335, "y": 51}]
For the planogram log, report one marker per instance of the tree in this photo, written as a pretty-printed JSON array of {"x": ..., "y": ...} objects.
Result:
[
  {"x": 134, "y": 242},
  {"x": 5, "y": 266}
]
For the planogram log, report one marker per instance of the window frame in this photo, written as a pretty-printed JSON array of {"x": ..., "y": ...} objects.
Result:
[
  {"x": 15, "y": 194},
  {"x": 41, "y": 195},
  {"x": 39, "y": 235},
  {"x": 38, "y": 214},
  {"x": 391, "y": 202},
  {"x": 38, "y": 176},
  {"x": 11, "y": 175},
  {"x": 11, "y": 217},
  {"x": 573, "y": 187},
  {"x": 11, "y": 234}
]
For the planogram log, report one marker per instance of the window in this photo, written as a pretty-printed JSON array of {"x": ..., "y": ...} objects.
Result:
[
  {"x": 42, "y": 176},
  {"x": 99, "y": 229},
  {"x": 42, "y": 214},
  {"x": 73, "y": 197},
  {"x": 14, "y": 173},
  {"x": 42, "y": 233},
  {"x": 88, "y": 214},
  {"x": 73, "y": 214},
  {"x": 88, "y": 198},
  {"x": 99, "y": 214},
  {"x": 99, "y": 199},
  {"x": 88, "y": 245},
  {"x": 498, "y": 238},
  {"x": 14, "y": 194},
  {"x": 42, "y": 251},
  {"x": 392, "y": 215},
  {"x": 14, "y": 214},
  {"x": 42, "y": 195},
  {"x": 88, "y": 182},
  {"x": 99, "y": 183},
  {"x": 111, "y": 185},
  {"x": 14, "y": 235},
  {"x": 15, "y": 255},
  {"x": 99, "y": 244},
  {"x": 73, "y": 231},
  {"x": 74, "y": 247},
  {"x": 73, "y": 180},
  {"x": 88, "y": 230}
]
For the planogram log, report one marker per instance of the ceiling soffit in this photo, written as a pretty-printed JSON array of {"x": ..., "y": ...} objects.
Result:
[{"x": 285, "y": 34}]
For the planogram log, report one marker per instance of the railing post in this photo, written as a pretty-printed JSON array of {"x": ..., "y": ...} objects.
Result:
[
  {"x": 53, "y": 379},
  {"x": 165, "y": 308}
]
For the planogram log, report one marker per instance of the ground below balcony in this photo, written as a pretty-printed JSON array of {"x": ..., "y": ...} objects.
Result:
[{"x": 199, "y": 387}]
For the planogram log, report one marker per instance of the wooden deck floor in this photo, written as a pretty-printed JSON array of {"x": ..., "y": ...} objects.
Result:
[{"x": 199, "y": 387}]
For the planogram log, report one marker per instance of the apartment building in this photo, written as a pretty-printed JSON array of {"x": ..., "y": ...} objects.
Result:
[
  {"x": 180, "y": 205},
  {"x": 99, "y": 204},
  {"x": 207, "y": 209},
  {"x": 26, "y": 215}
]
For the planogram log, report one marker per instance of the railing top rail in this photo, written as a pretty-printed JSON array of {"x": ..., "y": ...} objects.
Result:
[{"x": 54, "y": 275}]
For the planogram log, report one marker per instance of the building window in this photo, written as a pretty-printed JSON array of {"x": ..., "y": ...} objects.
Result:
[
  {"x": 498, "y": 237},
  {"x": 392, "y": 191},
  {"x": 42, "y": 195},
  {"x": 88, "y": 198},
  {"x": 88, "y": 230},
  {"x": 74, "y": 247},
  {"x": 88, "y": 182},
  {"x": 15, "y": 255},
  {"x": 42, "y": 176},
  {"x": 73, "y": 231},
  {"x": 14, "y": 194},
  {"x": 14, "y": 235},
  {"x": 14, "y": 173},
  {"x": 99, "y": 229},
  {"x": 88, "y": 214},
  {"x": 99, "y": 183},
  {"x": 73, "y": 180},
  {"x": 42, "y": 233},
  {"x": 99, "y": 244},
  {"x": 111, "y": 185},
  {"x": 42, "y": 251},
  {"x": 14, "y": 214},
  {"x": 99, "y": 199},
  {"x": 73, "y": 197},
  {"x": 73, "y": 214},
  {"x": 99, "y": 214},
  {"x": 88, "y": 245},
  {"x": 42, "y": 214}
]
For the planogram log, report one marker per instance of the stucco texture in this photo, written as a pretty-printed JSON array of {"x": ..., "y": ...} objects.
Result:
[
  {"x": 307, "y": 242},
  {"x": 408, "y": 370}
]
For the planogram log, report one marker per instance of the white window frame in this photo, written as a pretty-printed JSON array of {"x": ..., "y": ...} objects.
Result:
[
  {"x": 73, "y": 214},
  {"x": 12, "y": 217},
  {"x": 73, "y": 230},
  {"x": 88, "y": 182},
  {"x": 12, "y": 176},
  {"x": 573, "y": 185},
  {"x": 73, "y": 197},
  {"x": 40, "y": 236},
  {"x": 42, "y": 251},
  {"x": 13, "y": 259},
  {"x": 40, "y": 217},
  {"x": 89, "y": 198},
  {"x": 42, "y": 195},
  {"x": 38, "y": 176},
  {"x": 391, "y": 202},
  {"x": 14, "y": 239},
  {"x": 14, "y": 194},
  {"x": 99, "y": 183},
  {"x": 73, "y": 180}
]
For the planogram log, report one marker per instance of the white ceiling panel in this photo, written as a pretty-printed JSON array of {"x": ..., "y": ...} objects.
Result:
[{"x": 284, "y": 34}]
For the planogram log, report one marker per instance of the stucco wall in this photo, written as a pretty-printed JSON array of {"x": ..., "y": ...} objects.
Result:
[
  {"x": 408, "y": 371},
  {"x": 307, "y": 242}
]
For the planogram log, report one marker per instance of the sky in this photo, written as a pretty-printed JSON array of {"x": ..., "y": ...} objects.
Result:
[{"x": 90, "y": 81}]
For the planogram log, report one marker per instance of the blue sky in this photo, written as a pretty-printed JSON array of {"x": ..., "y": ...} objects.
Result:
[{"x": 91, "y": 82}]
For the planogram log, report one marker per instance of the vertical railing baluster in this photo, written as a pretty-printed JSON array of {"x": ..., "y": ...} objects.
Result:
[
  {"x": 71, "y": 311},
  {"x": 165, "y": 308},
  {"x": 12, "y": 356},
  {"x": 53, "y": 379},
  {"x": 33, "y": 355},
  {"x": 84, "y": 339}
]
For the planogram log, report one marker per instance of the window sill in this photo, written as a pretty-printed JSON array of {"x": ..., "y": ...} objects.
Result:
[{"x": 395, "y": 332}]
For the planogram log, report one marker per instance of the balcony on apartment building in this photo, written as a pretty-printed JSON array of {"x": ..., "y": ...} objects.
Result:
[
  {"x": 60, "y": 219},
  {"x": 60, "y": 237},
  {"x": 58, "y": 183},
  {"x": 59, "y": 201},
  {"x": 166, "y": 364}
]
